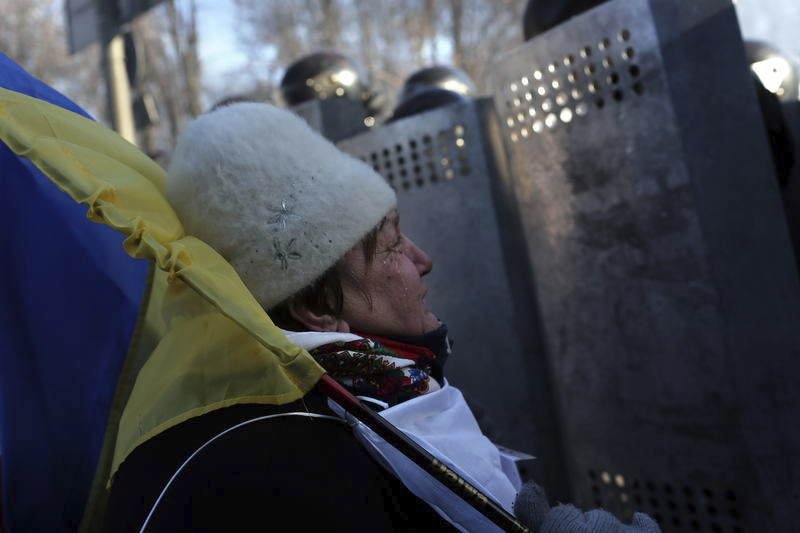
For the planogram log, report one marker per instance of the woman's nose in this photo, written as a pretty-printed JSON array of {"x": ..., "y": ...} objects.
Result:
[{"x": 419, "y": 257}]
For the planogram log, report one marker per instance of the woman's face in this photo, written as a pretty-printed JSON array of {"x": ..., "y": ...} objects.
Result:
[{"x": 387, "y": 295}]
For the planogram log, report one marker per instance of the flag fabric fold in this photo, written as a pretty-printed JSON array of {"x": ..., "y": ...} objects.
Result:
[
  {"x": 70, "y": 300},
  {"x": 79, "y": 389}
]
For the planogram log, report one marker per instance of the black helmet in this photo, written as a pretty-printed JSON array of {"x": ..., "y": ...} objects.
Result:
[
  {"x": 323, "y": 75},
  {"x": 441, "y": 77},
  {"x": 777, "y": 73},
  {"x": 425, "y": 100},
  {"x": 541, "y": 15}
]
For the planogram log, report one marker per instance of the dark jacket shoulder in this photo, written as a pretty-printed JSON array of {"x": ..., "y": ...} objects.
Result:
[{"x": 304, "y": 472}]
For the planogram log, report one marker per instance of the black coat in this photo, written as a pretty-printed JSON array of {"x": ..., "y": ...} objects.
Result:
[{"x": 290, "y": 473}]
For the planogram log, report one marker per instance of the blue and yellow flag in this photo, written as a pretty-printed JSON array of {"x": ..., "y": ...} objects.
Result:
[
  {"x": 98, "y": 351},
  {"x": 70, "y": 301}
]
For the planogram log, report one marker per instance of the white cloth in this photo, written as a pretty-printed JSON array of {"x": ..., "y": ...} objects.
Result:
[
  {"x": 442, "y": 423},
  {"x": 308, "y": 340}
]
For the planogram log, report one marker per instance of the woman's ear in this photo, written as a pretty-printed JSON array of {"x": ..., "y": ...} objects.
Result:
[{"x": 317, "y": 322}]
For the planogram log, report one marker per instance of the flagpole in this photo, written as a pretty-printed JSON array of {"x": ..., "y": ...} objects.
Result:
[{"x": 421, "y": 457}]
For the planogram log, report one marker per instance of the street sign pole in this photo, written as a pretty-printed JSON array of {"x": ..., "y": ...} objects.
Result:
[
  {"x": 119, "y": 89},
  {"x": 118, "y": 96},
  {"x": 89, "y": 21}
]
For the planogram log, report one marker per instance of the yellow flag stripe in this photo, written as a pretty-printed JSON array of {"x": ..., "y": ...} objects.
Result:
[{"x": 202, "y": 360}]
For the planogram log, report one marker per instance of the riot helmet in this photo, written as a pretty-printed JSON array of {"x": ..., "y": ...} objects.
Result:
[
  {"x": 541, "y": 15},
  {"x": 776, "y": 72},
  {"x": 425, "y": 100},
  {"x": 442, "y": 77},
  {"x": 322, "y": 75}
]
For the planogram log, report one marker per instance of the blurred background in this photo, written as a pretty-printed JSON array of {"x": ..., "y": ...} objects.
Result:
[{"x": 190, "y": 54}]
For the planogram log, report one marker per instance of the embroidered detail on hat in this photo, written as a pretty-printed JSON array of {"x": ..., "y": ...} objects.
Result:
[
  {"x": 283, "y": 214},
  {"x": 284, "y": 254}
]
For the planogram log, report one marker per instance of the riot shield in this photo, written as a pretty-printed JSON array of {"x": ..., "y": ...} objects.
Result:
[
  {"x": 667, "y": 291},
  {"x": 333, "y": 118},
  {"x": 448, "y": 168}
]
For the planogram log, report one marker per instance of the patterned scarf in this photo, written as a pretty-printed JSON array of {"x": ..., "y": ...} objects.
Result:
[{"x": 387, "y": 370}]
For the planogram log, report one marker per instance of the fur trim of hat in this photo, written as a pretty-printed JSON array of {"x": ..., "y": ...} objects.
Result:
[{"x": 277, "y": 200}]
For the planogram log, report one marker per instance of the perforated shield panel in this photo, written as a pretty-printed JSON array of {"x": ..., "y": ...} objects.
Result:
[
  {"x": 444, "y": 168},
  {"x": 667, "y": 289}
]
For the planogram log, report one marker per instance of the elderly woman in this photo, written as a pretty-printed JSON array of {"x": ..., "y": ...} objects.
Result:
[{"x": 316, "y": 237}]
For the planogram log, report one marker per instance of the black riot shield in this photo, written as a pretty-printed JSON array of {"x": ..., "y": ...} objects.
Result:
[
  {"x": 449, "y": 170},
  {"x": 667, "y": 290},
  {"x": 334, "y": 118}
]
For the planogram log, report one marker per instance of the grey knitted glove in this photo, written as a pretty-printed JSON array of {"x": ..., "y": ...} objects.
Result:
[{"x": 532, "y": 509}]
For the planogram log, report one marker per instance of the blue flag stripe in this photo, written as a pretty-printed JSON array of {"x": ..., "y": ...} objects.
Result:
[{"x": 71, "y": 298}]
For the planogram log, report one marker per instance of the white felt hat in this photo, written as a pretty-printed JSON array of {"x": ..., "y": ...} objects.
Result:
[{"x": 277, "y": 200}]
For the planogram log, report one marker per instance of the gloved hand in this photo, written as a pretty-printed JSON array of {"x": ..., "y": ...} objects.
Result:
[{"x": 533, "y": 510}]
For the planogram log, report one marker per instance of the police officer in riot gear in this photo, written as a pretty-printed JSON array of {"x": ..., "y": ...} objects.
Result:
[
  {"x": 433, "y": 87},
  {"x": 327, "y": 74},
  {"x": 438, "y": 76}
]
